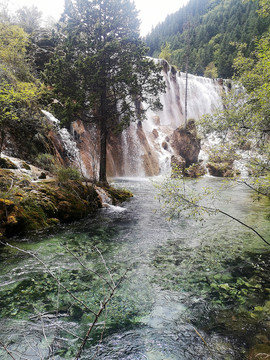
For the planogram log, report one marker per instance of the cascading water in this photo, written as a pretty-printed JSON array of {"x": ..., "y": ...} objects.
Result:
[
  {"x": 144, "y": 149},
  {"x": 204, "y": 97},
  {"x": 71, "y": 150}
]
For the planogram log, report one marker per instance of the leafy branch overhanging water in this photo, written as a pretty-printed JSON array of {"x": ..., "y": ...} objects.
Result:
[{"x": 179, "y": 199}]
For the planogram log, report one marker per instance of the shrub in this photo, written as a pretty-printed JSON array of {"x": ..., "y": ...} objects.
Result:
[
  {"x": 45, "y": 161},
  {"x": 64, "y": 174}
]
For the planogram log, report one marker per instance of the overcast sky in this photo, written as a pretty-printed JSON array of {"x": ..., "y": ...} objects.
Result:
[{"x": 151, "y": 11}]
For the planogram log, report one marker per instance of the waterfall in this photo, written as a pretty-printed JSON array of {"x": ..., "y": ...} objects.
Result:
[
  {"x": 204, "y": 97},
  {"x": 71, "y": 150},
  {"x": 143, "y": 149}
]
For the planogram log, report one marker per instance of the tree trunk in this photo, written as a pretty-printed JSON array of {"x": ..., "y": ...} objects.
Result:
[
  {"x": 103, "y": 136},
  {"x": 103, "y": 152}
]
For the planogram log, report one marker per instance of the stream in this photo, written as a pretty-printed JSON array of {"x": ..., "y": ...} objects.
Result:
[{"x": 192, "y": 290}]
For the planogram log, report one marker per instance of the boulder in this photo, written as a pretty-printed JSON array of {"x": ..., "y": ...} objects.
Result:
[
  {"x": 186, "y": 143},
  {"x": 195, "y": 170},
  {"x": 223, "y": 169},
  {"x": 259, "y": 352}
]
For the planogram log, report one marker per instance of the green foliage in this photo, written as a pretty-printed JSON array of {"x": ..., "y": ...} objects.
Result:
[
  {"x": 29, "y": 18},
  {"x": 234, "y": 119},
  {"x": 65, "y": 174},
  {"x": 211, "y": 71},
  {"x": 179, "y": 198},
  {"x": 166, "y": 52},
  {"x": 244, "y": 121},
  {"x": 264, "y": 7},
  {"x": 100, "y": 72},
  {"x": 19, "y": 112},
  {"x": 216, "y": 24},
  {"x": 20, "y": 92},
  {"x": 45, "y": 161},
  {"x": 13, "y": 60},
  {"x": 222, "y": 153},
  {"x": 254, "y": 74}
]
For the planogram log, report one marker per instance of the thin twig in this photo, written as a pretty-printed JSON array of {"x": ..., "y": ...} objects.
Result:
[
  {"x": 44, "y": 333},
  {"x": 101, "y": 336},
  {"x": 86, "y": 268},
  {"x": 105, "y": 264},
  {"x": 102, "y": 308},
  {"x": 213, "y": 210},
  {"x": 52, "y": 275},
  {"x": 6, "y": 349},
  {"x": 69, "y": 332},
  {"x": 11, "y": 186},
  {"x": 37, "y": 350},
  {"x": 242, "y": 223},
  {"x": 205, "y": 343},
  {"x": 254, "y": 189}
]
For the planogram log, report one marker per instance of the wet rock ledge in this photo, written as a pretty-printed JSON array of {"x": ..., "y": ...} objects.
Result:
[{"x": 27, "y": 205}]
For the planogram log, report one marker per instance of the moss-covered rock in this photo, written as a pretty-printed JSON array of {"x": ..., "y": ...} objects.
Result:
[
  {"x": 27, "y": 205},
  {"x": 186, "y": 143},
  {"x": 7, "y": 164},
  {"x": 195, "y": 171},
  {"x": 259, "y": 352},
  {"x": 223, "y": 169},
  {"x": 118, "y": 195},
  {"x": 221, "y": 160},
  {"x": 40, "y": 205}
]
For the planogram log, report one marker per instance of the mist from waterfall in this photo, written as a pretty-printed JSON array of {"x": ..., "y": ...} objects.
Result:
[{"x": 204, "y": 97}]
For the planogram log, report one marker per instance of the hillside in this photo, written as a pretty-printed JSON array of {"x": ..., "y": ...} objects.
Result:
[{"x": 211, "y": 27}]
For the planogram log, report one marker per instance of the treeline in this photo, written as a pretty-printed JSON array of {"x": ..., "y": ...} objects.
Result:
[
  {"x": 20, "y": 89},
  {"x": 208, "y": 30}
]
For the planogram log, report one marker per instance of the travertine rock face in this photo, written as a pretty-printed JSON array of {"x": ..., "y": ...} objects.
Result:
[
  {"x": 146, "y": 148},
  {"x": 186, "y": 143},
  {"x": 149, "y": 157}
]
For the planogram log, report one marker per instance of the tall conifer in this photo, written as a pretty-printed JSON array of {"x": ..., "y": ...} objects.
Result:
[{"x": 101, "y": 71}]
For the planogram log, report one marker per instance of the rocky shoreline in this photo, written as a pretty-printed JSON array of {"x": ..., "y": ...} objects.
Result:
[{"x": 29, "y": 203}]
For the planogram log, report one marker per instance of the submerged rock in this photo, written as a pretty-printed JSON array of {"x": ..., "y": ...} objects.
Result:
[{"x": 259, "y": 352}]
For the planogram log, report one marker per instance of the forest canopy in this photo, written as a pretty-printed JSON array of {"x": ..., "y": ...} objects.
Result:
[{"x": 213, "y": 27}]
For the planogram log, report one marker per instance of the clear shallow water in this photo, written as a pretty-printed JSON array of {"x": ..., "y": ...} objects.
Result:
[{"x": 185, "y": 280}]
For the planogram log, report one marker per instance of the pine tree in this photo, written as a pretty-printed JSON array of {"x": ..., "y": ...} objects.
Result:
[{"x": 101, "y": 73}]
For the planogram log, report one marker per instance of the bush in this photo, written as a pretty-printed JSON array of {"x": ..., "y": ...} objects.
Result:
[
  {"x": 65, "y": 174},
  {"x": 221, "y": 154},
  {"x": 45, "y": 161}
]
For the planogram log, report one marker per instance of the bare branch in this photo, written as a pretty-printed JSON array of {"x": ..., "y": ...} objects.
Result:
[
  {"x": 86, "y": 268},
  {"x": 52, "y": 275},
  {"x": 102, "y": 308},
  {"x": 43, "y": 331},
  {"x": 205, "y": 343},
  {"x": 6, "y": 349},
  {"x": 105, "y": 264},
  {"x": 242, "y": 223},
  {"x": 211, "y": 210}
]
